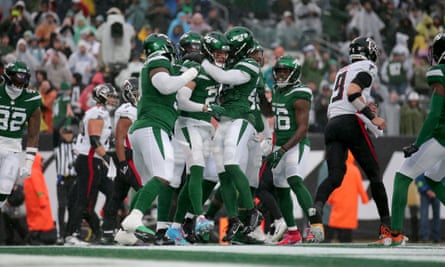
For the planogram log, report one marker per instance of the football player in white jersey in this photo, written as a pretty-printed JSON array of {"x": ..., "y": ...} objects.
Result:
[
  {"x": 92, "y": 162},
  {"x": 127, "y": 177},
  {"x": 18, "y": 106},
  {"x": 349, "y": 115}
]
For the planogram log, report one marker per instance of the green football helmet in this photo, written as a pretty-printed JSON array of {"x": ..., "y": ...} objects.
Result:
[
  {"x": 437, "y": 50},
  {"x": 215, "y": 41},
  {"x": 257, "y": 52},
  {"x": 292, "y": 66},
  {"x": 190, "y": 42},
  {"x": 241, "y": 41},
  {"x": 160, "y": 44},
  {"x": 17, "y": 75}
]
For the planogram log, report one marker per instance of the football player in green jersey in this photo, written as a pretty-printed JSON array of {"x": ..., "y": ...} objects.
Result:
[
  {"x": 235, "y": 127},
  {"x": 194, "y": 131},
  {"x": 150, "y": 134},
  {"x": 427, "y": 154},
  {"x": 19, "y": 107},
  {"x": 291, "y": 103}
]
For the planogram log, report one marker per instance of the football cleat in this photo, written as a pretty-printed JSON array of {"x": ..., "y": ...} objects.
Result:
[
  {"x": 145, "y": 234},
  {"x": 177, "y": 236},
  {"x": 241, "y": 238},
  {"x": 308, "y": 235},
  {"x": 234, "y": 226},
  {"x": 317, "y": 230},
  {"x": 280, "y": 228},
  {"x": 125, "y": 238},
  {"x": 203, "y": 225},
  {"x": 74, "y": 240},
  {"x": 386, "y": 238},
  {"x": 290, "y": 238},
  {"x": 161, "y": 239},
  {"x": 189, "y": 231},
  {"x": 107, "y": 238},
  {"x": 254, "y": 218}
]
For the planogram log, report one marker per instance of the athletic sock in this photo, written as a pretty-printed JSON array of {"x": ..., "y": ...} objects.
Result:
[
  {"x": 303, "y": 196},
  {"x": 399, "y": 199}
]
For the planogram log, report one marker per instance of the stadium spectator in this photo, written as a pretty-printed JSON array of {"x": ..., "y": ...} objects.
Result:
[
  {"x": 412, "y": 116},
  {"x": 115, "y": 37},
  {"x": 288, "y": 33},
  {"x": 82, "y": 61},
  {"x": 428, "y": 230},
  {"x": 159, "y": 16}
]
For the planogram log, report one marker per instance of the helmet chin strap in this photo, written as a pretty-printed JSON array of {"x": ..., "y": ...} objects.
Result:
[{"x": 13, "y": 91}]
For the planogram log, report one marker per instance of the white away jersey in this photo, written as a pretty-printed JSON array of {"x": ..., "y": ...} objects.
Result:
[
  {"x": 339, "y": 104},
  {"x": 97, "y": 112},
  {"x": 126, "y": 110}
]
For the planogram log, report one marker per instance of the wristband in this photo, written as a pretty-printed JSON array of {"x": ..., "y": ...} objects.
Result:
[
  {"x": 368, "y": 113},
  {"x": 31, "y": 150}
]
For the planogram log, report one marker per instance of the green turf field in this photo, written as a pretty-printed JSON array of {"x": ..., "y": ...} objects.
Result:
[{"x": 307, "y": 255}]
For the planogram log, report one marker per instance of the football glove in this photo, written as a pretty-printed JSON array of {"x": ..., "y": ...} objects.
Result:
[
  {"x": 123, "y": 169},
  {"x": 215, "y": 110},
  {"x": 409, "y": 150},
  {"x": 25, "y": 171},
  {"x": 194, "y": 56},
  {"x": 274, "y": 158}
]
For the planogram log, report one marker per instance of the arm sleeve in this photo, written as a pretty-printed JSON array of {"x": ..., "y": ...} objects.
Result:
[
  {"x": 184, "y": 102},
  {"x": 436, "y": 106},
  {"x": 232, "y": 77},
  {"x": 167, "y": 84},
  {"x": 363, "y": 79}
]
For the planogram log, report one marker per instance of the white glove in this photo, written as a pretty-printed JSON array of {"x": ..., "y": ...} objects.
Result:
[{"x": 25, "y": 171}]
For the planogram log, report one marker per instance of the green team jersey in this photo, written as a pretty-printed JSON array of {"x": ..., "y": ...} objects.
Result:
[
  {"x": 436, "y": 74},
  {"x": 282, "y": 104},
  {"x": 60, "y": 107},
  {"x": 239, "y": 100},
  {"x": 155, "y": 109},
  {"x": 15, "y": 113},
  {"x": 205, "y": 91},
  {"x": 256, "y": 111}
]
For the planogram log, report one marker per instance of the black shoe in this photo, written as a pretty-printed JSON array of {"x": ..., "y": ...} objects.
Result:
[
  {"x": 254, "y": 218},
  {"x": 145, "y": 234},
  {"x": 107, "y": 238},
  {"x": 189, "y": 231},
  {"x": 234, "y": 225},
  {"x": 162, "y": 239},
  {"x": 245, "y": 239}
]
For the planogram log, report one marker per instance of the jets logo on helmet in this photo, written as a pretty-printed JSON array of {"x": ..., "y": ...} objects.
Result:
[
  {"x": 437, "y": 49},
  {"x": 130, "y": 91},
  {"x": 286, "y": 71},
  {"x": 240, "y": 40},
  {"x": 216, "y": 48},
  {"x": 159, "y": 44},
  {"x": 190, "y": 42},
  {"x": 17, "y": 75}
]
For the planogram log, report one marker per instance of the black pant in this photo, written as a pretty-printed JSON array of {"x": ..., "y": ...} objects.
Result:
[
  {"x": 64, "y": 187},
  {"x": 344, "y": 133},
  {"x": 92, "y": 179},
  {"x": 121, "y": 185}
]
